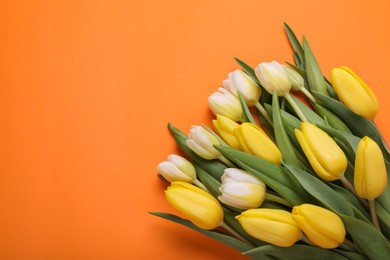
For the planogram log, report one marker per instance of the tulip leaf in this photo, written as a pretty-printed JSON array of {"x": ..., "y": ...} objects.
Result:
[
  {"x": 273, "y": 175},
  {"x": 213, "y": 167},
  {"x": 297, "y": 252},
  {"x": 322, "y": 192},
  {"x": 384, "y": 219},
  {"x": 333, "y": 119},
  {"x": 210, "y": 182},
  {"x": 296, "y": 45},
  {"x": 282, "y": 140},
  {"x": 248, "y": 70},
  {"x": 360, "y": 126},
  {"x": 314, "y": 75},
  {"x": 267, "y": 127},
  {"x": 232, "y": 222},
  {"x": 246, "y": 115},
  {"x": 228, "y": 240},
  {"x": 312, "y": 116},
  {"x": 367, "y": 238}
]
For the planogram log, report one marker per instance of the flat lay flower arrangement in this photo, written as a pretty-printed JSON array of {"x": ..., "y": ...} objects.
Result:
[{"x": 306, "y": 179}]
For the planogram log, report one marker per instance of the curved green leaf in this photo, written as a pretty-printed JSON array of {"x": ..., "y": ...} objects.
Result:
[
  {"x": 333, "y": 119},
  {"x": 228, "y": 240},
  {"x": 246, "y": 115},
  {"x": 296, "y": 252},
  {"x": 295, "y": 44},
  {"x": 368, "y": 239}
]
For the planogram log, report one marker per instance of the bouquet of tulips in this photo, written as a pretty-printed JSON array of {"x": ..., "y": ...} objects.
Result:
[{"x": 286, "y": 176}]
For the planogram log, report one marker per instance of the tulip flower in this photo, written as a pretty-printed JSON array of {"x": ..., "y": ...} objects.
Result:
[
  {"x": 238, "y": 81},
  {"x": 225, "y": 128},
  {"x": 241, "y": 189},
  {"x": 297, "y": 82},
  {"x": 273, "y": 226},
  {"x": 324, "y": 155},
  {"x": 254, "y": 141},
  {"x": 323, "y": 227},
  {"x": 202, "y": 142},
  {"x": 202, "y": 209},
  {"x": 224, "y": 103},
  {"x": 273, "y": 77},
  {"x": 177, "y": 168},
  {"x": 354, "y": 92},
  {"x": 370, "y": 178}
]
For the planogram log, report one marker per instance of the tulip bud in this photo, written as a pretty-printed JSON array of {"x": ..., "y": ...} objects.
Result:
[
  {"x": 254, "y": 141},
  {"x": 370, "y": 178},
  {"x": 225, "y": 128},
  {"x": 323, "y": 227},
  {"x": 273, "y": 226},
  {"x": 202, "y": 142},
  {"x": 273, "y": 78},
  {"x": 238, "y": 81},
  {"x": 241, "y": 190},
  {"x": 354, "y": 92},
  {"x": 295, "y": 78},
  {"x": 198, "y": 206},
  {"x": 324, "y": 155},
  {"x": 224, "y": 103},
  {"x": 177, "y": 168}
]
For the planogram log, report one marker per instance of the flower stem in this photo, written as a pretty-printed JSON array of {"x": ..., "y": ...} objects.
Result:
[
  {"x": 374, "y": 217},
  {"x": 350, "y": 244},
  {"x": 226, "y": 161},
  {"x": 263, "y": 112},
  {"x": 352, "y": 189},
  {"x": 271, "y": 197},
  {"x": 308, "y": 94},
  {"x": 235, "y": 234},
  {"x": 295, "y": 107},
  {"x": 200, "y": 185}
]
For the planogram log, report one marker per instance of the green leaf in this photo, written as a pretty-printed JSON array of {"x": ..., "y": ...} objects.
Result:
[
  {"x": 322, "y": 192},
  {"x": 368, "y": 239},
  {"x": 228, "y": 240},
  {"x": 267, "y": 127},
  {"x": 210, "y": 182},
  {"x": 214, "y": 167},
  {"x": 295, "y": 44},
  {"x": 333, "y": 119},
  {"x": 360, "y": 126},
  {"x": 311, "y": 116},
  {"x": 246, "y": 115},
  {"x": 313, "y": 71},
  {"x": 296, "y": 252},
  {"x": 273, "y": 175},
  {"x": 282, "y": 140},
  {"x": 384, "y": 219}
]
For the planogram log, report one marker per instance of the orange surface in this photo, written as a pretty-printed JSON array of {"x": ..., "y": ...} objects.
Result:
[{"x": 87, "y": 88}]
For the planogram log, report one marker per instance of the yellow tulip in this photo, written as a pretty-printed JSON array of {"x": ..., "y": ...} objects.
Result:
[
  {"x": 254, "y": 141},
  {"x": 273, "y": 226},
  {"x": 225, "y": 128},
  {"x": 370, "y": 178},
  {"x": 324, "y": 155},
  {"x": 202, "y": 209},
  {"x": 241, "y": 189},
  {"x": 273, "y": 77},
  {"x": 354, "y": 92},
  {"x": 323, "y": 227}
]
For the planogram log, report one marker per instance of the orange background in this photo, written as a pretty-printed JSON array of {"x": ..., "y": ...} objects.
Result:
[{"x": 87, "y": 88}]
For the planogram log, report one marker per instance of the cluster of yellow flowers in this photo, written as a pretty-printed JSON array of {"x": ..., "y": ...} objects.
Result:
[{"x": 287, "y": 181}]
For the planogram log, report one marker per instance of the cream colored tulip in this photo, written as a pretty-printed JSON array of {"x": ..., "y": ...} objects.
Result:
[
  {"x": 177, "y": 168},
  {"x": 225, "y": 103},
  {"x": 238, "y": 81},
  {"x": 273, "y": 77}
]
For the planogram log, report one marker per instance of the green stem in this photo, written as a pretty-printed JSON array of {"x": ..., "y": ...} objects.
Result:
[
  {"x": 200, "y": 185},
  {"x": 352, "y": 189},
  {"x": 308, "y": 94},
  {"x": 374, "y": 217},
  {"x": 263, "y": 112},
  {"x": 271, "y": 197},
  {"x": 226, "y": 161},
  {"x": 235, "y": 234},
  {"x": 295, "y": 107},
  {"x": 350, "y": 244}
]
